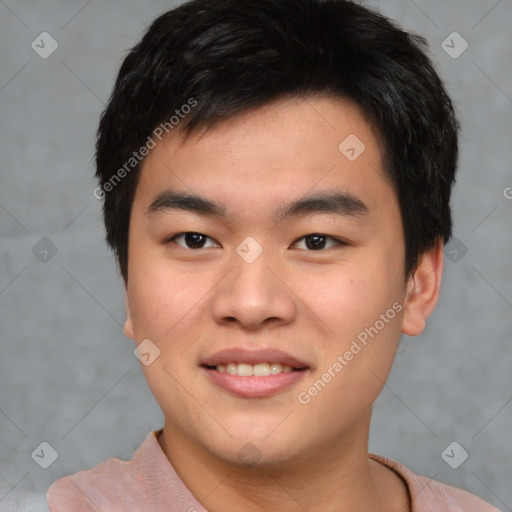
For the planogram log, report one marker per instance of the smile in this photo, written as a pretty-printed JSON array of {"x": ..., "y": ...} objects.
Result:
[
  {"x": 253, "y": 373},
  {"x": 256, "y": 370}
]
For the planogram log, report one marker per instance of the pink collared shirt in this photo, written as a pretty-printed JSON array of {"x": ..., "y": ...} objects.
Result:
[{"x": 149, "y": 483}]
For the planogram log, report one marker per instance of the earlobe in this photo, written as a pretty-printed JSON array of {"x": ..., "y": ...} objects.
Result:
[
  {"x": 423, "y": 290},
  {"x": 128, "y": 325}
]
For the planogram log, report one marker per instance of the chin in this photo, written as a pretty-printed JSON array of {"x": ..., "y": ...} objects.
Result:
[
  {"x": 261, "y": 454},
  {"x": 264, "y": 445}
]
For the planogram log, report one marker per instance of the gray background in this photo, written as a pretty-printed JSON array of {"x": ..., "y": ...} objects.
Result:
[{"x": 67, "y": 373}]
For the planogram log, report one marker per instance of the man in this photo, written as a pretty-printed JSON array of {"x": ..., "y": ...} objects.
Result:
[{"x": 276, "y": 177}]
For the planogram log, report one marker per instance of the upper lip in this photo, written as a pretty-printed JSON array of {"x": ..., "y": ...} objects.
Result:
[{"x": 240, "y": 355}]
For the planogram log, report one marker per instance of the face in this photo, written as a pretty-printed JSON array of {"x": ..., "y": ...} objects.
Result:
[{"x": 286, "y": 260}]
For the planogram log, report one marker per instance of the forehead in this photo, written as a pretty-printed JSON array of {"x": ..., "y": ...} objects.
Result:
[{"x": 283, "y": 150}]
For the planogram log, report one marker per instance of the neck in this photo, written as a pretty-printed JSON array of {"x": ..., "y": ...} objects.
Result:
[{"x": 335, "y": 477}]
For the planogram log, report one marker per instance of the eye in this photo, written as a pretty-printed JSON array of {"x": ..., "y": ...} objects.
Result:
[
  {"x": 191, "y": 239},
  {"x": 317, "y": 241}
]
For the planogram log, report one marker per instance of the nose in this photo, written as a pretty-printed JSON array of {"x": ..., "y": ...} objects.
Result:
[{"x": 254, "y": 295}]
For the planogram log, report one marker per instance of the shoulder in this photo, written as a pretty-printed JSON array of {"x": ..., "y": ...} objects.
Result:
[
  {"x": 102, "y": 486},
  {"x": 89, "y": 490},
  {"x": 451, "y": 498},
  {"x": 146, "y": 482},
  {"x": 429, "y": 495}
]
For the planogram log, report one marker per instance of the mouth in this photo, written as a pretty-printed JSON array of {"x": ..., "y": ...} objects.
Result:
[
  {"x": 254, "y": 374},
  {"x": 254, "y": 370}
]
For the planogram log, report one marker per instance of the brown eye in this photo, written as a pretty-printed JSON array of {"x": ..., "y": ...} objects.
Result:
[
  {"x": 191, "y": 239},
  {"x": 317, "y": 241}
]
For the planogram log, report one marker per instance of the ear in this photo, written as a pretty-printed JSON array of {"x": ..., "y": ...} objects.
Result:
[
  {"x": 423, "y": 289},
  {"x": 128, "y": 325}
]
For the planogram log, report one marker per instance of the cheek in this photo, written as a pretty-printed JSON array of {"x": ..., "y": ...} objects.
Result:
[
  {"x": 162, "y": 299},
  {"x": 347, "y": 298},
  {"x": 353, "y": 373},
  {"x": 362, "y": 307},
  {"x": 165, "y": 304}
]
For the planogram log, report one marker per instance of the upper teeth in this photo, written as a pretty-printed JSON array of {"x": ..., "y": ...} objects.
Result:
[{"x": 258, "y": 370}]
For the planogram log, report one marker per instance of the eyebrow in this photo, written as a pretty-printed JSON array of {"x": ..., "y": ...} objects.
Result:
[{"x": 338, "y": 203}]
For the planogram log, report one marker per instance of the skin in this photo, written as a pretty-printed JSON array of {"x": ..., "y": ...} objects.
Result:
[{"x": 193, "y": 302}]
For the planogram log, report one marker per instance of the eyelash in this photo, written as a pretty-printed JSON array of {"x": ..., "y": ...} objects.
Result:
[{"x": 338, "y": 241}]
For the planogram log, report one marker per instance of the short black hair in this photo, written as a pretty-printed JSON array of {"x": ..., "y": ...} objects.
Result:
[{"x": 207, "y": 60}]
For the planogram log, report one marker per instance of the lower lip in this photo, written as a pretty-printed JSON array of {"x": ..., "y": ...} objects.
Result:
[{"x": 254, "y": 387}]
